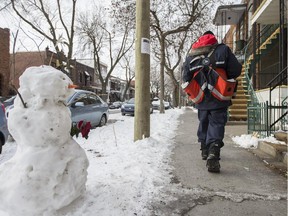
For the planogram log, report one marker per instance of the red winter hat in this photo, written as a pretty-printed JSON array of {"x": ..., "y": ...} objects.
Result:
[{"x": 205, "y": 40}]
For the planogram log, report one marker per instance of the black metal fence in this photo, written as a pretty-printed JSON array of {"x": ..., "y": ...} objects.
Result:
[{"x": 265, "y": 119}]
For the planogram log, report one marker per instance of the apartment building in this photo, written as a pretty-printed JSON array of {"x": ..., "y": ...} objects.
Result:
[{"x": 258, "y": 36}]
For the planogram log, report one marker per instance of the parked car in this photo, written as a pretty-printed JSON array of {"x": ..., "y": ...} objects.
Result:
[
  {"x": 10, "y": 101},
  {"x": 116, "y": 105},
  {"x": 129, "y": 106},
  {"x": 87, "y": 106},
  {"x": 84, "y": 106},
  {"x": 3, "y": 127},
  {"x": 156, "y": 104}
]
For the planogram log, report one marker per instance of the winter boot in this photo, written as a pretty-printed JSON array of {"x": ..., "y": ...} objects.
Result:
[
  {"x": 204, "y": 151},
  {"x": 213, "y": 158}
]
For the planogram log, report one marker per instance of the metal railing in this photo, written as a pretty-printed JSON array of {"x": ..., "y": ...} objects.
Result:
[
  {"x": 264, "y": 118},
  {"x": 267, "y": 74},
  {"x": 281, "y": 118}
]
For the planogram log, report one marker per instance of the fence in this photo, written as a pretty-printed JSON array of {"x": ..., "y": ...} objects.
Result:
[{"x": 265, "y": 118}]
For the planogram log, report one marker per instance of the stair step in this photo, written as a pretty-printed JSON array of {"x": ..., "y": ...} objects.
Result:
[
  {"x": 238, "y": 106},
  {"x": 243, "y": 97},
  {"x": 238, "y": 112},
  {"x": 240, "y": 90},
  {"x": 239, "y": 101},
  {"x": 237, "y": 117}
]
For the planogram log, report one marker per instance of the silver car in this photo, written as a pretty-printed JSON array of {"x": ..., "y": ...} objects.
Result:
[
  {"x": 84, "y": 106},
  {"x": 89, "y": 107},
  {"x": 3, "y": 127},
  {"x": 128, "y": 108}
]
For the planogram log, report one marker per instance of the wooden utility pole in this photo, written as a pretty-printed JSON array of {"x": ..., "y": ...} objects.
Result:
[{"x": 142, "y": 75}]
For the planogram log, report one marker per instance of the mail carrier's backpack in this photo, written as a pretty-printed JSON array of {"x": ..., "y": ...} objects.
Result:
[{"x": 207, "y": 76}]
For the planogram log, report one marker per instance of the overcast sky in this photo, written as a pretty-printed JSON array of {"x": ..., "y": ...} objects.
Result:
[{"x": 10, "y": 20}]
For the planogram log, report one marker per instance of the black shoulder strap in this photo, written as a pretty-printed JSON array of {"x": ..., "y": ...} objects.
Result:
[{"x": 212, "y": 57}]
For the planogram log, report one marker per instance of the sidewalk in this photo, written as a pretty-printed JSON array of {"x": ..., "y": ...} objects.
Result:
[
  {"x": 244, "y": 186},
  {"x": 273, "y": 156}
]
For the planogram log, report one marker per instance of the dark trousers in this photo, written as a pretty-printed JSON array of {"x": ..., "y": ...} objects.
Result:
[{"x": 212, "y": 126}]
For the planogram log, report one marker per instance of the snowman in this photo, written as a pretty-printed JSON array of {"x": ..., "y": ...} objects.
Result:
[{"x": 49, "y": 169}]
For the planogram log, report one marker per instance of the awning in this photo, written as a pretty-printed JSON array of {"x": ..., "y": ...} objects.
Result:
[
  {"x": 267, "y": 13},
  {"x": 229, "y": 14}
]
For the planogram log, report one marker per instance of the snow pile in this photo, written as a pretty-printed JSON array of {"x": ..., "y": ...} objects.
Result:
[
  {"x": 246, "y": 141},
  {"x": 49, "y": 169},
  {"x": 250, "y": 141}
]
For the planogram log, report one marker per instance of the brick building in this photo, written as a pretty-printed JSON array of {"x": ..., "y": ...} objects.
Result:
[
  {"x": 13, "y": 65},
  {"x": 81, "y": 75},
  {"x": 4, "y": 61}
]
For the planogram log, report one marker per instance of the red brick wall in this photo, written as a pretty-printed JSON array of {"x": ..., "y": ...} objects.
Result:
[{"x": 4, "y": 61}]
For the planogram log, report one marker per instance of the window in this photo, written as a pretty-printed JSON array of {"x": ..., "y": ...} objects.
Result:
[
  {"x": 234, "y": 40},
  {"x": 81, "y": 98},
  {"x": 250, "y": 13},
  {"x": 80, "y": 77},
  {"x": 241, "y": 33}
]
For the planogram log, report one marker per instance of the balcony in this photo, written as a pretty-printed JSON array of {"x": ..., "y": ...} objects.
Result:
[{"x": 267, "y": 13}]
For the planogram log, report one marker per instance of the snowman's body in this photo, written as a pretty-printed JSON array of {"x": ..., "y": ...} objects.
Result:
[{"x": 48, "y": 162}]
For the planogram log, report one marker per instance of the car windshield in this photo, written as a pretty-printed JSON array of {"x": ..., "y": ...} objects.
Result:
[
  {"x": 131, "y": 101},
  {"x": 69, "y": 98}
]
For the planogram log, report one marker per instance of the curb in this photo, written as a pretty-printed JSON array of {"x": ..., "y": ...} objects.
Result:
[
  {"x": 278, "y": 151},
  {"x": 273, "y": 155}
]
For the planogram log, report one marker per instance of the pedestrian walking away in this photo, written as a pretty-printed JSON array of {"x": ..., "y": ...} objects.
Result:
[{"x": 209, "y": 78}]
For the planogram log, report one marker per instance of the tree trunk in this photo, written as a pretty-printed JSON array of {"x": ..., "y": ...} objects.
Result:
[{"x": 162, "y": 64}]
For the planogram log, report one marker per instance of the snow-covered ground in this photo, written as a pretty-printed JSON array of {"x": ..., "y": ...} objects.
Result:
[
  {"x": 44, "y": 174},
  {"x": 123, "y": 175}
]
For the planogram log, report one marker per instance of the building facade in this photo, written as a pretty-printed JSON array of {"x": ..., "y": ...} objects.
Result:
[{"x": 258, "y": 36}]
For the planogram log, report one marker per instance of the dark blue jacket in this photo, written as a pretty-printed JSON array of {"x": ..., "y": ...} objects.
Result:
[{"x": 222, "y": 58}]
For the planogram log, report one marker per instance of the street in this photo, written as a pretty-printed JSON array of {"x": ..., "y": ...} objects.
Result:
[{"x": 245, "y": 186}]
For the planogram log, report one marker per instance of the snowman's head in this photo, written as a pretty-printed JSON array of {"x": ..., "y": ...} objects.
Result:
[{"x": 45, "y": 82}]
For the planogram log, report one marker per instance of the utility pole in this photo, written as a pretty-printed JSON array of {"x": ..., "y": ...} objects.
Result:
[{"x": 142, "y": 75}]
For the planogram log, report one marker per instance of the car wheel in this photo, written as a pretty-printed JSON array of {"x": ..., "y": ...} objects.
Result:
[
  {"x": 103, "y": 121},
  {"x": 123, "y": 114}
]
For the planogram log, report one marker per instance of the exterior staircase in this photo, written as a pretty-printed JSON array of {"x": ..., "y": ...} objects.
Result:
[
  {"x": 264, "y": 46},
  {"x": 238, "y": 110}
]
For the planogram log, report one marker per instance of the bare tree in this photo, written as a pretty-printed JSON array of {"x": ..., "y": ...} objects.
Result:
[
  {"x": 173, "y": 23},
  {"x": 50, "y": 21},
  {"x": 155, "y": 82},
  {"x": 155, "y": 79},
  {"x": 129, "y": 69},
  {"x": 105, "y": 42},
  {"x": 4, "y": 4},
  {"x": 168, "y": 22}
]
